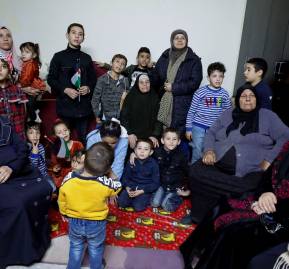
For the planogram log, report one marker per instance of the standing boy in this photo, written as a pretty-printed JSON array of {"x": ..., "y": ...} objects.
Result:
[
  {"x": 207, "y": 105},
  {"x": 110, "y": 90},
  {"x": 83, "y": 200},
  {"x": 173, "y": 169},
  {"x": 143, "y": 66},
  {"x": 255, "y": 71},
  {"x": 140, "y": 179},
  {"x": 72, "y": 78}
]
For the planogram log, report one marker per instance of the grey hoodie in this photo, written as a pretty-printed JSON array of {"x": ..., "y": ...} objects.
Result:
[{"x": 107, "y": 96}]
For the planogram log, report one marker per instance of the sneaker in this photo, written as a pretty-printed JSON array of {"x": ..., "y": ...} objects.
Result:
[{"x": 187, "y": 220}]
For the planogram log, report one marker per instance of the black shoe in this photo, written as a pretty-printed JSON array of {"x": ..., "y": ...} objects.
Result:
[{"x": 187, "y": 220}]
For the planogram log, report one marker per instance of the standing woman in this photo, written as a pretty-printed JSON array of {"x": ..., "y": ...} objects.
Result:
[
  {"x": 8, "y": 52},
  {"x": 178, "y": 73}
]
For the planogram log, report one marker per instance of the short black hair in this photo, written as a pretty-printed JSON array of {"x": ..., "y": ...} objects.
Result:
[
  {"x": 78, "y": 153},
  {"x": 216, "y": 66},
  {"x": 75, "y": 24},
  {"x": 171, "y": 130},
  {"x": 145, "y": 50},
  {"x": 32, "y": 125},
  {"x": 98, "y": 159},
  {"x": 259, "y": 64},
  {"x": 148, "y": 141},
  {"x": 110, "y": 128},
  {"x": 119, "y": 56}
]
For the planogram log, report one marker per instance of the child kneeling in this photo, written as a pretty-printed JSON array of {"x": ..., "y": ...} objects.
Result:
[
  {"x": 140, "y": 179},
  {"x": 83, "y": 200}
]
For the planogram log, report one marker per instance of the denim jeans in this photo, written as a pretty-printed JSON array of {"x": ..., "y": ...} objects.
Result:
[
  {"x": 168, "y": 200},
  {"x": 91, "y": 232},
  {"x": 198, "y": 134}
]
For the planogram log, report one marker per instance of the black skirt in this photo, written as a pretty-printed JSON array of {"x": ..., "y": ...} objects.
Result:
[{"x": 24, "y": 230}]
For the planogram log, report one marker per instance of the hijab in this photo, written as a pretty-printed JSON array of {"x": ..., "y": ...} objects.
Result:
[
  {"x": 249, "y": 119},
  {"x": 11, "y": 56},
  {"x": 174, "y": 52}
]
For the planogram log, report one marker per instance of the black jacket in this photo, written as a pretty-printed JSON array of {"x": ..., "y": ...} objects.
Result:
[
  {"x": 173, "y": 167},
  {"x": 62, "y": 67}
]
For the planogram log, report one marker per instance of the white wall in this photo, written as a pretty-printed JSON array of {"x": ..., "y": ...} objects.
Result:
[{"x": 114, "y": 26}]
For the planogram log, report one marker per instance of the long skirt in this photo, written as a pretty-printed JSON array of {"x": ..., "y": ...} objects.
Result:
[{"x": 24, "y": 230}]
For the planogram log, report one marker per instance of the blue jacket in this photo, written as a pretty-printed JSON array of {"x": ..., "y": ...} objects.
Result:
[
  {"x": 187, "y": 81},
  {"x": 143, "y": 175}
]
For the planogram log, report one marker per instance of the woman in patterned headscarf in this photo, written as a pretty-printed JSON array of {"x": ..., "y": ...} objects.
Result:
[{"x": 8, "y": 52}]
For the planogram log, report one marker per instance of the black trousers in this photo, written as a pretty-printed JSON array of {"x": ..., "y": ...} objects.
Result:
[{"x": 80, "y": 125}]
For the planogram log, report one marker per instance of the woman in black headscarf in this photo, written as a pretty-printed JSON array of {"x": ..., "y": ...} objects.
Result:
[
  {"x": 139, "y": 112},
  {"x": 24, "y": 201},
  {"x": 238, "y": 148}
]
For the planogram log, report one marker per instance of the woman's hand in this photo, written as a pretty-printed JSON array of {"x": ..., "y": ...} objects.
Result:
[
  {"x": 168, "y": 87},
  {"x": 209, "y": 157},
  {"x": 267, "y": 202},
  {"x": 132, "y": 138},
  {"x": 5, "y": 173},
  {"x": 155, "y": 141},
  {"x": 264, "y": 165},
  {"x": 31, "y": 91},
  {"x": 189, "y": 136}
]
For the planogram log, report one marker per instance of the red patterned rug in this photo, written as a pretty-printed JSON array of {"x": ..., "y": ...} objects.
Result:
[{"x": 153, "y": 228}]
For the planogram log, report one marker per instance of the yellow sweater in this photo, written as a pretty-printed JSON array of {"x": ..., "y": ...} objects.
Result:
[{"x": 85, "y": 198}]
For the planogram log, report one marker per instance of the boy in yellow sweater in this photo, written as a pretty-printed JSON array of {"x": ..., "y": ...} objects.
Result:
[{"x": 83, "y": 200}]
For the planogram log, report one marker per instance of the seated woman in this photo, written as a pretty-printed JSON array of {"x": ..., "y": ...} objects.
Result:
[
  {"x": 139, "y": 112},
  {"x": 238, "y": 148},
  {"x": 116, "y": 136},
  {"x": 24, "y": 200},
  {"x": 265, "y": 226}
]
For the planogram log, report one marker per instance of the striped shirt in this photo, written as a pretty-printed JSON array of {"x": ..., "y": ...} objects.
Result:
[
  {"x": 207, "y": 105},
  {"x": 38, "y": 160}
]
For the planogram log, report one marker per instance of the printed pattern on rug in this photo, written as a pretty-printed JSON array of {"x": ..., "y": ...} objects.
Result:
[{"x": 153, "y": 228}]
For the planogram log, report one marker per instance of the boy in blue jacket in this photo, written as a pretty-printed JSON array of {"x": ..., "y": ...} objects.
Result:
[{"x": 141, "y": 179}]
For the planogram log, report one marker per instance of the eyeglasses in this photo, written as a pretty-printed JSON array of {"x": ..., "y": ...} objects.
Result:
[{"x": 249, "y": 96}]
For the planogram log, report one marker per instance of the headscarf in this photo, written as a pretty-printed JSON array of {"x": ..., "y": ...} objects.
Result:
[
  {"x": 174, "y": 52},
  {"x": 249, "y": 119},
  {"x": 11, "y": 56}
]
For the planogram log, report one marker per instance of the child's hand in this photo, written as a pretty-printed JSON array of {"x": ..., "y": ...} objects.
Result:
[
  {"x": 83, "y": 90},
  {"x": 56, "y": 168},
  {"x": 168, "y": 87},
  {"x": 72, "y": 93},
  {"x": 35, "y": 147},
  {"x": 182, "y": 192},
  {"x": 31, "y": 91},
  {"x": 132, "y": 158},
  {"x": 136, "y": 193},
  {"x": 189, "y": 136},
  {"x": 113, "y": 200}
]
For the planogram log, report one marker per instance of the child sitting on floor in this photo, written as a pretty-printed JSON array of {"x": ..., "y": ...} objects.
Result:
[
  {"x": 173, "y": 169},
  {"x": 141, "y": 179}
]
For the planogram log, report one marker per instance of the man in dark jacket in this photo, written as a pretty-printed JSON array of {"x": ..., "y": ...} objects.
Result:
[{"x": 72, "y": 78}]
